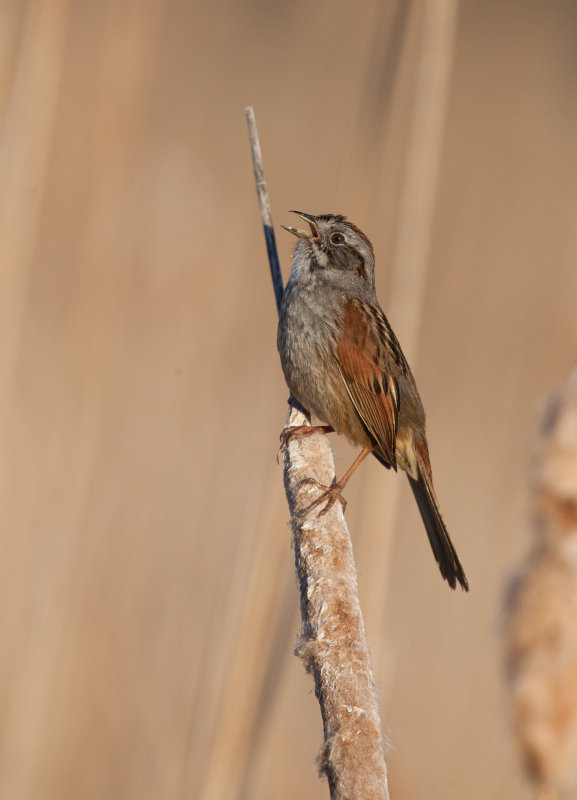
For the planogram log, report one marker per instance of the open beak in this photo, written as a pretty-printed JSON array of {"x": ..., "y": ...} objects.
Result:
[{"x": 313, "y": 236}]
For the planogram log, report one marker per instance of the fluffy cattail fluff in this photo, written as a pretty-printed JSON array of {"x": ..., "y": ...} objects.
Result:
[{"x": 541, "y": 630}]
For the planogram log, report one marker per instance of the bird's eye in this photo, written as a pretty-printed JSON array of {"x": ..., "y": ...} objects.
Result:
[{"x": 337, "y": 238}]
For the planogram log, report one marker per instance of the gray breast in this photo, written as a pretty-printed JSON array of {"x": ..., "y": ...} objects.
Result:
[{"x": 307, "y": 343}]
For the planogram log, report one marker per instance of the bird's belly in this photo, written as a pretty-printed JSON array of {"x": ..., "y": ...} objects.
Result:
[{"x": 313, "y": 375}]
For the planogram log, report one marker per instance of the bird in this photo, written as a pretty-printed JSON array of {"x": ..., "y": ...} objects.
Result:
[{"x": 343, "y": 363}]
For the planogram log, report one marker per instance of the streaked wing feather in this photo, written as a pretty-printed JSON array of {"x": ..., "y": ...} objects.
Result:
[{"x": 372, "y": 388}]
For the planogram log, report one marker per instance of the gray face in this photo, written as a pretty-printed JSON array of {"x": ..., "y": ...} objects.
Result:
[{"x": 334, "y": 245}]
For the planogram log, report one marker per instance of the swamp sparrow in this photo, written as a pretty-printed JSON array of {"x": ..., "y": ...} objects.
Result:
[{"x": 343, "y": 363}]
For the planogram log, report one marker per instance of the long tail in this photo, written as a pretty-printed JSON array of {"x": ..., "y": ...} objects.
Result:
[{"x": 445, "y": 554}]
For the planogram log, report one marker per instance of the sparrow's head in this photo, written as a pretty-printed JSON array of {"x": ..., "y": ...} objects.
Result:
[{"x": 333, "y": 245}]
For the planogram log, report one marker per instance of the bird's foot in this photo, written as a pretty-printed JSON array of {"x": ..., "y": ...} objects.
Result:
[
  {"x": 299, "y": 432},
  {"x": 329, "y": 496}
]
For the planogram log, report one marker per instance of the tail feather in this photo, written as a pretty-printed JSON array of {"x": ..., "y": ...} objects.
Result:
[
  {"x": 445, "y": 554},
  {"x": 416, "y": 458}
]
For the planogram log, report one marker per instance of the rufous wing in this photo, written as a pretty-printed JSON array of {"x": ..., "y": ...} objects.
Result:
[{"x": 371, "y": 386}]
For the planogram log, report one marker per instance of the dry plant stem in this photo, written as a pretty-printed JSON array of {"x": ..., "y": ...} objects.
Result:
[
  {"x": 264, "y": 205},
  {"x": 541, "y": 635},
  {"x": 333, "y": 643}
]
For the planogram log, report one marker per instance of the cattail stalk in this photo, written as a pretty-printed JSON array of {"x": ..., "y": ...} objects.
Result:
[
  {"x": 541, "y": 632},
  {"x": 333, "y": 643}
]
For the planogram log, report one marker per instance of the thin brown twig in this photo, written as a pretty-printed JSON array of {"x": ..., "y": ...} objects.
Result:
[{"x": 333, "y": 643}]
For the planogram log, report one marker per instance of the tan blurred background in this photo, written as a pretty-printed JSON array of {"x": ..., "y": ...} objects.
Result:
[{"x": 149, "y": 607}]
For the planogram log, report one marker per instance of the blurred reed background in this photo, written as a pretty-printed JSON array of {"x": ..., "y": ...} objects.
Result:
[{"x": 149, "y": 607}]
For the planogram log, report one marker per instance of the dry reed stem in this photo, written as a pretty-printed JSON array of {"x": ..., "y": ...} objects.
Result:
[
  {"x": 433, "y": 62},
  {"x": 264, "y": 206},
  {"x": 333, "y": 643},
  {"x": 541, "y": 634}
]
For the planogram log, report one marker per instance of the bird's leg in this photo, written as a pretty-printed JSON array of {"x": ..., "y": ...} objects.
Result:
[
  {"x": 333, "y": 493},
  {"x": 356, "y": 463},
  {"x": 298, "y": 432}
]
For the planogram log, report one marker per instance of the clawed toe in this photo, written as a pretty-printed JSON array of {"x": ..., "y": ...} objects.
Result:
[
  {"x": 299, "y": 432},
  {"x": 296, "y": 431},
  {"x": 329, "y": 496}
]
